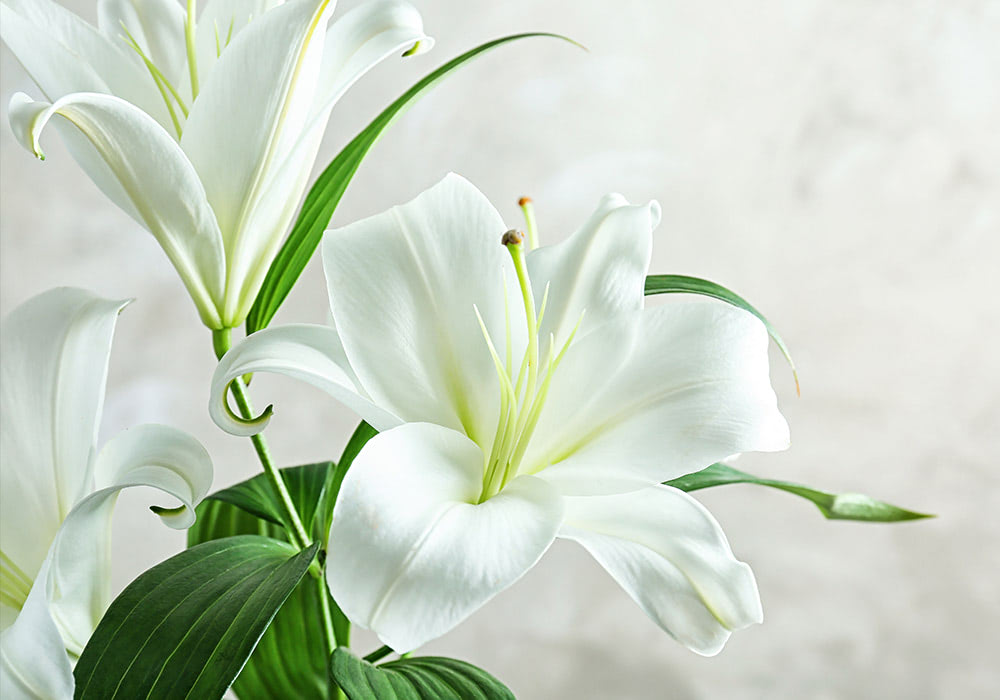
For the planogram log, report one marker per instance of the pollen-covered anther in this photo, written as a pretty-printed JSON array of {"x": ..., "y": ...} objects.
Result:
[
  {"x": 524, "y": 201},
  {"x": 512, "y": 237}
]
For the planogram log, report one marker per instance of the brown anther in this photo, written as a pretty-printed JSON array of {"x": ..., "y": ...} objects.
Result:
[
  {"x": 524, "y": 201},
  {"x": 512, "y": 237}
]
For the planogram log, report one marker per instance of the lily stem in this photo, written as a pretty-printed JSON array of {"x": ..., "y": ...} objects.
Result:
[
  {"x": 222, "y": 341},
  {"x": 378, "y": 654}
]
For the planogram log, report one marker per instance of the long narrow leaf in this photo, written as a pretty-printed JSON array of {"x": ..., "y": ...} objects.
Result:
[
  {"x": 185, "y": 628},
  {"x": 682, "y": 284},
  {"x": 835, "y": 506},
  {"x": 323, "y": 198}
]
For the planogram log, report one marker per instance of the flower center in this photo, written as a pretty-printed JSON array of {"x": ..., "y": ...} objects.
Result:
[{"x": 521, "y": 401}]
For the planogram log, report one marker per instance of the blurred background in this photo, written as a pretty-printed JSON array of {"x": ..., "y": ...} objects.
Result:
[{"x": 837, "y": 162}]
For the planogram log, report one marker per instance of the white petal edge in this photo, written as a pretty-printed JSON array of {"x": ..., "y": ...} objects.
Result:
[
  {"x": 156, "y": 456},
  {"x": 670, "y": 555},
  {"x": 64, "y": 54},
  {"x": 657, "y": 394},
  {"x": 54, "y": 351},
  {"x": 599, "y": 272},
  {"x": 411, "y": 555},
  {"x": 140, "y": 168},
  {"x": 309, "y": 353},
  {"x": 34, "y": 664},
  {"x": 404, "y": 287}
]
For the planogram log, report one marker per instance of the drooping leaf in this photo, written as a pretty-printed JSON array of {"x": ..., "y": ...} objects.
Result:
[
  {"x": 185, "y": 627},
  {"x": 325, "y": 194},
  {"x": 306, "y": 484},
  {"x": 835, "y": 506},
  {"x": 682, "y": 284},
  {"x": 414, "y": 678},
  {"x": 290, "y": 661}
]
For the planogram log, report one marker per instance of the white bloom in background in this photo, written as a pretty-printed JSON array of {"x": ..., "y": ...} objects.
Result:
[
  {"x": 57, "y": 492},
  {"x": 522, "y": 398},
  {"x": 203, "y": 131}
]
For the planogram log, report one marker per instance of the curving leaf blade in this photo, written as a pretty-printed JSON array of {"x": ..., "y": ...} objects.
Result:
[
  {"x": 185, "y": 627},
  {"x": 682, "y": 284},
  {"x": 834, "y": 506},
  {"x": 325, "y": 194},
  {"x": 414, "y": 678},
  {"x": 290, "y": 660}
]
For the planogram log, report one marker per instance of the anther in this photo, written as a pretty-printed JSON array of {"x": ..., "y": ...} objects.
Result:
[
  {"x": 524, "y": 201},
  {"x": 512, "y": 237}
]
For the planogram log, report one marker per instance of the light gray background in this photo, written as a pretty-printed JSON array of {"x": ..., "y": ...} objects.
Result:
[{"x": 837, "y": 162}]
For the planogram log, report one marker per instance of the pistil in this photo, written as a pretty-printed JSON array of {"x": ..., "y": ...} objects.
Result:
[{"x": 189, "y": 39}]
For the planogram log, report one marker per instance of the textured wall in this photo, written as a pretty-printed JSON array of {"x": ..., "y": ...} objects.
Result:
[{"x": 835, "y": 161}]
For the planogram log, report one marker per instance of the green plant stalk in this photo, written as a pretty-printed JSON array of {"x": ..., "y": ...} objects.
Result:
[{"x": 221, "y": 342}]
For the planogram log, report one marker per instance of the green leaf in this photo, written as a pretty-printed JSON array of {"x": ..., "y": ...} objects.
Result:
[
  {"x": 414, "y": 678},
  {"x": 682, "y": 284},
  {"x": 835, "y": 506},
  {"x": 185, "y": 627},
  {"x": 323, "y": 198},
  {"x": 290, "y": 661},
  {"x": 306, "y": 485}
]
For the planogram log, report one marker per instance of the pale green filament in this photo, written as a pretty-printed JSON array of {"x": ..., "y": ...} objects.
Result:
[
  {"x": 167, "y": 90},
  {"x": 529, "y": 220},
  {"x": 14, "y": 583},
  {"x": 192, "y": 53},
  {"x": 519, "y": 412},
  {"x": 219, "y": 46}
]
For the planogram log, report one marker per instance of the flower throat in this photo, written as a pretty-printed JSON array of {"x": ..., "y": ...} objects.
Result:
[{"x": 521, "y": 401}]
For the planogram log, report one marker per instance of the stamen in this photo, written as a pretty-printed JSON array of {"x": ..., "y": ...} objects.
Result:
[
  {"x": 528, "y": 207},
  {"x": 192, "y": 53},
  {"x": 163, "y": 85}
]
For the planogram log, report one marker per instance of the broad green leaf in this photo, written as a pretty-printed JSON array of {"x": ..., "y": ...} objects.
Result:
[
  {"x": 835, "y": 506},
  {"x": 306, "y": 484},
  {"x": 325, "y": 194},
  {"x": 414, "y": 678},
  {"x": 682, "y": 284},
  {"x": 290, "y": 661},
  {"x": 185, "y": 627}
]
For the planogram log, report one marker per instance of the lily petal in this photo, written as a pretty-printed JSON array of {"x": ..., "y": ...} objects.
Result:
[
  {"x": 414, "y": 274},
  {"x": 656, "y": 394},
  {"x": 64, "y": 54},
  {"x": 310, "y": 353},
  {"x": 270, "y": 71},
  {"x": 149, "y": 455},
  {"x": 53, "y": 363},
  {"x": 354, "y": 44},
  {"x": 33, "y": 660},
  {"x": 600, "y": 269},
  {"x": 410, "y": 554},
  {"x": 143, "y": 170},
  {"x": 670, "y": 555}
]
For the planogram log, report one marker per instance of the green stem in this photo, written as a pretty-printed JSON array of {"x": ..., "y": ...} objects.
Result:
[
  {"x": 378, "y": 654},
  {"x": 221, "y": 342}
]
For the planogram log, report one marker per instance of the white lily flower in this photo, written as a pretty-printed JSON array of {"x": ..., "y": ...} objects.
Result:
[
  {"x": 522, "y": 398},
  {"x": 57, "y": 492},
  {"x": 204, "y": 131}
]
